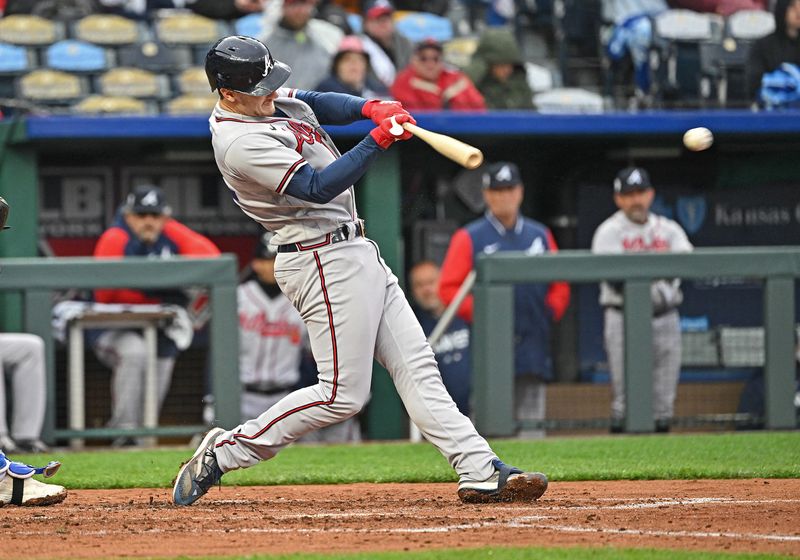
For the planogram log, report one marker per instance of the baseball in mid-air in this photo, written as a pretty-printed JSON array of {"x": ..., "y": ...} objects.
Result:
[{"x": 698, "y": 139}]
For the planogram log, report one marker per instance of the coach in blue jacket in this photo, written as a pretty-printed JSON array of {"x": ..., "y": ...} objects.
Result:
[{"x": 536, "y": 306}]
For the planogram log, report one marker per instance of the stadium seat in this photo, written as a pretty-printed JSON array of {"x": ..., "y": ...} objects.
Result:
[
  {"x": 251, "y": 25},
  {"x": 133, "y": 82},
  {"x": 51, "y": 87},
  {"x": 676, "y": 63},
  {"x": 193, "y": 80},
  {"x": 459, "y": 51},
  {"x": 14, "y": 60},
  {"x": 418, "y": 26},
  {"x": 155, "y": 57},
  {"x": 191, "y": 104},
  {"x": 77, "y": 56},
  {"x": 106, "y": 105},
  {"x": 188, "y": 29},
  {"x": 31, "y": 31},
  {"x": 568, "y": 100},
  {"x": 540, "y": 78},
  {"x": 749, "y": 25},
  {"x": 108, "y": 30}
]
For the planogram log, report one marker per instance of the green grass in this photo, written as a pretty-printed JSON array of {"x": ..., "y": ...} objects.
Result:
[
  {"x": 512, "y": 554},
  {"x": 732, "y": 455}
]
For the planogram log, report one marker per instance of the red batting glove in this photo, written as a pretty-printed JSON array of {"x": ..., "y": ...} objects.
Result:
[
  {"x": 378, "y": 110},
  {"x": 390, "y": 130}
]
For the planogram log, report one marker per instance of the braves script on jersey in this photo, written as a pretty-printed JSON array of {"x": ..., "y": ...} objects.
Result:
[
  {"x": 618, "y": 234},
  {"x": 258, "y": 153},
  {"x": 271, "y": 338}
]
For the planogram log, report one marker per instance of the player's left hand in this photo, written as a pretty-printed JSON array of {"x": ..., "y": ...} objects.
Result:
[
  {"x": 391, "y": 130},
  {"x": 378, "y": 110}
]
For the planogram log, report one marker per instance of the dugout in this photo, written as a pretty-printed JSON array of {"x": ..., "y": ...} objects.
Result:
[{"x": 64, "y": 177}]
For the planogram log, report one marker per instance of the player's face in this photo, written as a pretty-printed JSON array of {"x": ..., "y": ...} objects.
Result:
[
  {"x": 428, "y": 64},
  {"x": 251, "y": 105},
  {"x": 635, "y": 204},
  {"x": 504, "y": 203},
  {"x": 352, "y": 68},
  {"x": 502, "y": 72},
  {"x": 147, "y": 227},
  {"x": 264, "y": 269},
  {"x": 425, "y": 286}
]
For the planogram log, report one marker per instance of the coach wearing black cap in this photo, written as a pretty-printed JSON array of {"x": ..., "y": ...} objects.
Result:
[
  {"x": 143, "y": 227},
  {"x": 536, "y": 306},
  {"x": 633, "y": 228}
]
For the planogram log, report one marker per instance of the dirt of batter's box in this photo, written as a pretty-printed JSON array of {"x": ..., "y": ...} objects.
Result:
[{"x": 717, "y": 515}]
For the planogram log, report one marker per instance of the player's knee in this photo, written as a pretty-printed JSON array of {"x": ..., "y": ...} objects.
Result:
[{"x": 350, "y": 403}]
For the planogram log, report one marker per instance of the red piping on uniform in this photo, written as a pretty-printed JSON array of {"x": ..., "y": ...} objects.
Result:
[
  {"x": 335, "y": 370},
  {"x": 327, "y": 241},
  {"x": 289, "y": 173}
]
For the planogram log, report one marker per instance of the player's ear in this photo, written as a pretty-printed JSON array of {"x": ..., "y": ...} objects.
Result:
[{"x": 226, "y": 94}]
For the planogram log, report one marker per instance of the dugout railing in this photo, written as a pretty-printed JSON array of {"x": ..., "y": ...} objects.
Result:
[
  {"x": 38, "y": 279},
  {"x": 493, "y": 352}
]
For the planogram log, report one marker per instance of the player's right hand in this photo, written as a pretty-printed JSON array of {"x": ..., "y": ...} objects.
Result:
[
  {"x": 386, "y": 134},
  {"x": 377, "y": 110}
]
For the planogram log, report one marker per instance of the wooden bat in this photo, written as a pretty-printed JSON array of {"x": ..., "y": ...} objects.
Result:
[{"x": 460, "y": 152}]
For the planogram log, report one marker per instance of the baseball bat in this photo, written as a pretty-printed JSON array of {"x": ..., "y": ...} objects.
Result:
[{"x": 456, "y": 150}]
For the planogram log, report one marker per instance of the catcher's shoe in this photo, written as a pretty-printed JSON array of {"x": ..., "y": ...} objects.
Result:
[
  {"x": 17, "y": 488},
  {"x": 199, "y": 474},
  {"x": 507, "y": 484}
]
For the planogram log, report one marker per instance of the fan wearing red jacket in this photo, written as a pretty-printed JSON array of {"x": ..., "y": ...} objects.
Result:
[
  {"x": 142, "y": 228},
  {"x": 427, "y": 84},
  {"x": 536, "y": 306}
]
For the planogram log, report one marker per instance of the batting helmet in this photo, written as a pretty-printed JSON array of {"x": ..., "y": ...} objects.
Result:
[{"x": 245, "y": 65}]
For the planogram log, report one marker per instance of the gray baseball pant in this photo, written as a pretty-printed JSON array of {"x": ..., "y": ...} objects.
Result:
[
  {"x": 355, "y": 310},
  {"x": 22, "y": 360},
  {"x": 666, "y": 362},
  {"x": 125, "y": 352}
]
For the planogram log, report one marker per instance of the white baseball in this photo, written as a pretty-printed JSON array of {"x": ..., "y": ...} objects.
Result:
[{"x": 698, "y": 139}]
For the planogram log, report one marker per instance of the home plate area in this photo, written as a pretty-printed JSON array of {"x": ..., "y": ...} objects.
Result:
[{"x": 752, "y": 515}]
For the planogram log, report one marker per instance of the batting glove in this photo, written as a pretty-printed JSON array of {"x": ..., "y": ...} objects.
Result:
[
  {"x": 378, "y": 110},
  {"x": 390, "y": 130}
]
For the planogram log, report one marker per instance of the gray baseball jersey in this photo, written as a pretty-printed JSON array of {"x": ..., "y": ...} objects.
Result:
[
  {"x": 271, "y": 338},
  {"x": 618, "y": 234},
  {"x": 349, "y": 299},
  {"x": 258, "y": 156}
]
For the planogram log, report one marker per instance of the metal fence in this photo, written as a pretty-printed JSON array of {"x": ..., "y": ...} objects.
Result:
[{"x": 776, "y": 267}]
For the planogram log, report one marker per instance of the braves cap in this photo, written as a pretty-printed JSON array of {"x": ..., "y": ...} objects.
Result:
[
  {"x": 501, "y": 175},
  {"x": 264, "y": 249},
  {"x": 147, "y": 199},
  {"x": 378, "y": 9},
  {"x": 632, "y": 179}
]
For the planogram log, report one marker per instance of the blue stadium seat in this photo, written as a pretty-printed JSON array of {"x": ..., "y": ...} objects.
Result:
[
  {"x": 15, "y": 59},
  {"x": 250, "y": 25},
  {"x": 155, "y": 57},
  {"x": 77, "y": 56},
  {"x": 419, "y": 26}
]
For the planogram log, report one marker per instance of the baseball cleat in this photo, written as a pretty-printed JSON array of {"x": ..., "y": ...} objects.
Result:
[
  {"x": 17, "y": 488},
  {"x": 507, "y": 484},
  {"x": 198, "y": 474}
]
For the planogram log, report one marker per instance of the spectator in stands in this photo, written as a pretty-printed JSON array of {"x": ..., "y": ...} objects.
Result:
[
  {"x": 226, "y": 9},
  {"x": 22, "y": 361},
  {"x": 388, "y": 50},
  {"x": 452, "y": 349},
  {"x": 142, "y": 228},
  {"x": 783, "y": 45},
  {"x": 633, "y": 228},
  {"x": 275, "y": 350},
  {"x": 293, "y": 42},
  {"x": 721, "y": 7},
  {"x": 350, "y": 72},
  {"x": 496, "y": 69},
  {"x": 427, "y": 84},
  {"x": 536, "y": 306},
  {"x": 139, "y": 9}
]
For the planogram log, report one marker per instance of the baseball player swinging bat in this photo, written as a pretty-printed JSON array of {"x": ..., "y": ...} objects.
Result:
[{"x": 456, "y": 150}]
